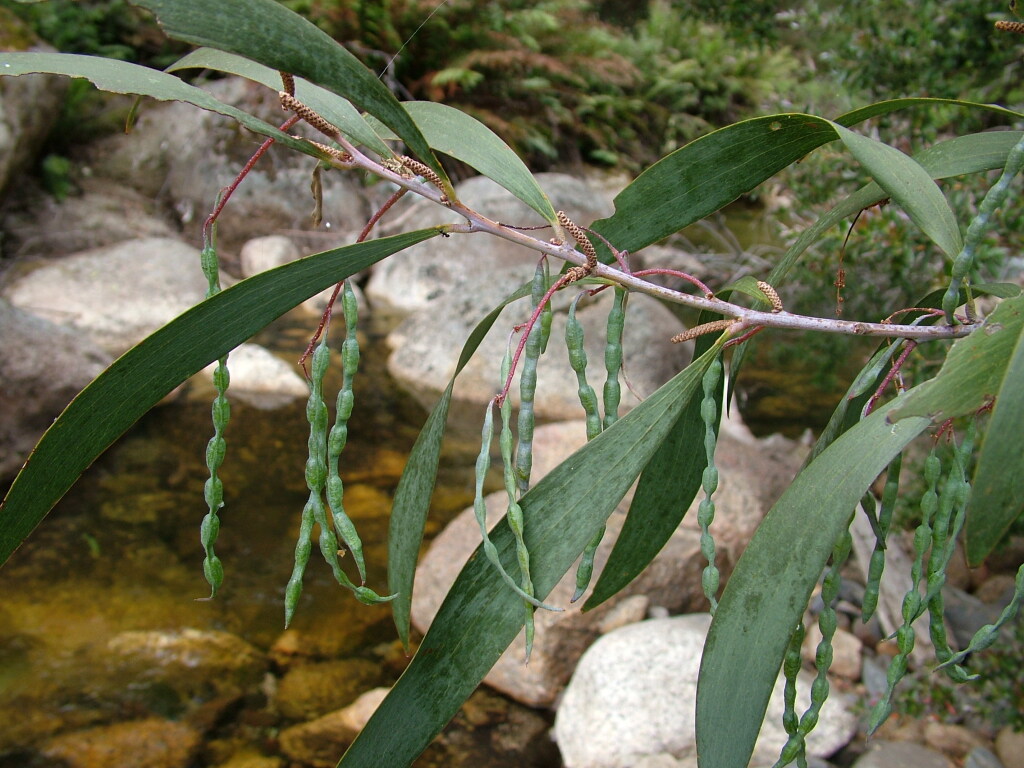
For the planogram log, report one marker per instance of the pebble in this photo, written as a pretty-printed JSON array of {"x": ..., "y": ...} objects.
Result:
[{"x": 1010, "y": 748}]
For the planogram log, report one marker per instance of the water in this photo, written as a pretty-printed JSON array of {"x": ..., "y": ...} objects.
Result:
[{"x": 121, "y": 553}]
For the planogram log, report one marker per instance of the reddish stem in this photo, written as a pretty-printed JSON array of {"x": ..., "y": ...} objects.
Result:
[
  {"x": 528, "y": 325},
  {"x": 708, "y": 294},
  {"x": 325, "y": 318},
  {"x": 225, "y": 194},
  {"x": 893, "y": 371},
  {"x": 740, "y": 339}
]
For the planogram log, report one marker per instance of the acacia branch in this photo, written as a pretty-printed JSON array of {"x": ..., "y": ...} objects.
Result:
[{"x": 746, "y": 317}]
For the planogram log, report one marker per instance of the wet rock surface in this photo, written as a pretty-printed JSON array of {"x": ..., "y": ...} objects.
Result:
[{"x": 148, "y": 743}]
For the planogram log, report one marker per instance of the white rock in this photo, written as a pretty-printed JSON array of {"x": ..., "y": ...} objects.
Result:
[
  {"x": 263, "y": 253},
  {"x": 414, "y": 278},
  {"x": 261, "y": 379},
  {"x": 633, "y": 694},
  {"x": 428, "y": 343},
  {"x": 116, "y": 295}
]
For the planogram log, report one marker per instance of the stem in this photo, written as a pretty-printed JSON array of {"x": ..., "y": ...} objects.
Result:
[{"x": 476, "y": 222}]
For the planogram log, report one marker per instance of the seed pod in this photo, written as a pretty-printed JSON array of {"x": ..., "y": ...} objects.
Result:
[
  {"x": 613, "y": 357},
  {"x": 515, "y": 512},
  {"x": 877, "y": 564},
  {"x": 483, "y": 464},
  {"x": 303, "y": 547},
  {"x": 710, "y": 577},
  {"x": 216, "y": 448},
  {"x": 338, "y": 436},
  {"x": 913, "y": 605},
  {"x": 963, "y": 264},
  {"x": 588, "y": 399},
  {"x": 527, "y": 391}
]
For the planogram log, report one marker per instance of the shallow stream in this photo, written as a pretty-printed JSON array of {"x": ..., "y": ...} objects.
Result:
[{"x": 121, "y": 552}]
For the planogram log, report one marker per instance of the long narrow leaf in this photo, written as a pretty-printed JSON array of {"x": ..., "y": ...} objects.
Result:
[
  {"x": 954, "y": 157},
  {"x": 707, "y": 174},
  {"x": 768, "y": 592},
  {"x": 123, "y": 77},
  {"x": 481, "y": 616},
  {"x": 909, "y": 185},
  {"x": 667, "y": 487},
  {"x": 140, "y": 378},
  {"x": 465, "y": 138},
  {"x": 415, "y": 487},
  {"x": 974, "y": 370},
  {"x": 997, "y": 494},
  {"x": 894, "y": 105},
  {"x": 333, "y": 107},
  {"x": 267, "y": 32}
]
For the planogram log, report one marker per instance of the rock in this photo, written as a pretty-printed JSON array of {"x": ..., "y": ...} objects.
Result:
[
  {"x": 186, "y": 155},
  {"x": 665, "y": 760},
  {"x": 634, "y": 693},
  {"x": 846, "y": 652},
  {"x": 358, "y": 713},
  {"x": 269, "y": 252},
  {"x": 313, "y": 690},
  {"x": 252, "y": 760},
  {"x": 175, "y": 670},
  {"x": 979, "y": 757},
  {"x": 319, "y": 743},
  {"x": 152, "y": 743},
  {"x": 966, "y": 614},
  {"x": 263, "y": 253},
  {"x": 627, "y": 611},
  {"x": 115, "y": 295},
  {"x": 997, "y": 589},
  {"x": 873, "y": 674},
  {"x": 100, "y": 213},
  {"x": 672, "y": 580},
  {"x": 42, "y": 367},
  {"x": 465, "y": 264},
  {"x": 952, "y": 740},
  {"x": 29, "y": 104},
  {"x": 1010, "y": 747},
  {"x": 886, "y": 754},
  {"x": 427, "y": 346},
  {"x": 894, "y": 585},
  {"x": 260, "y": 378}
]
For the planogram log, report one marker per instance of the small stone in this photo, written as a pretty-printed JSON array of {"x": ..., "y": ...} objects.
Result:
[
  {"x": 319, "y": 743},
  {"x": 1010, "y": 747},
  {"x": 261, "y": 379},
  {"x": 312, "y": 690},
  {"x": 950, "y": 739},
  {"x": 152, "y": 743},
  {"x": 263, "y": 253},
  {"x": 979, "y": 757},
  {"x": 631, "y": 610},
  {"x": 359, "y": 712},
  {"x": 905, "y": 754},
  {"x": 846, "y": 652},
  {"x": 997, "y": 589}
]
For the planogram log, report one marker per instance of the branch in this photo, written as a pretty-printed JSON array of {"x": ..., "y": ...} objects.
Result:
[{"x": 745, "y": 317}]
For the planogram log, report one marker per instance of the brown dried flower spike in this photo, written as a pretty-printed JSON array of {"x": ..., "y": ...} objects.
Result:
[
  {"x": 582, "y": 241},
  {"x": 1011, "y": 26}
]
